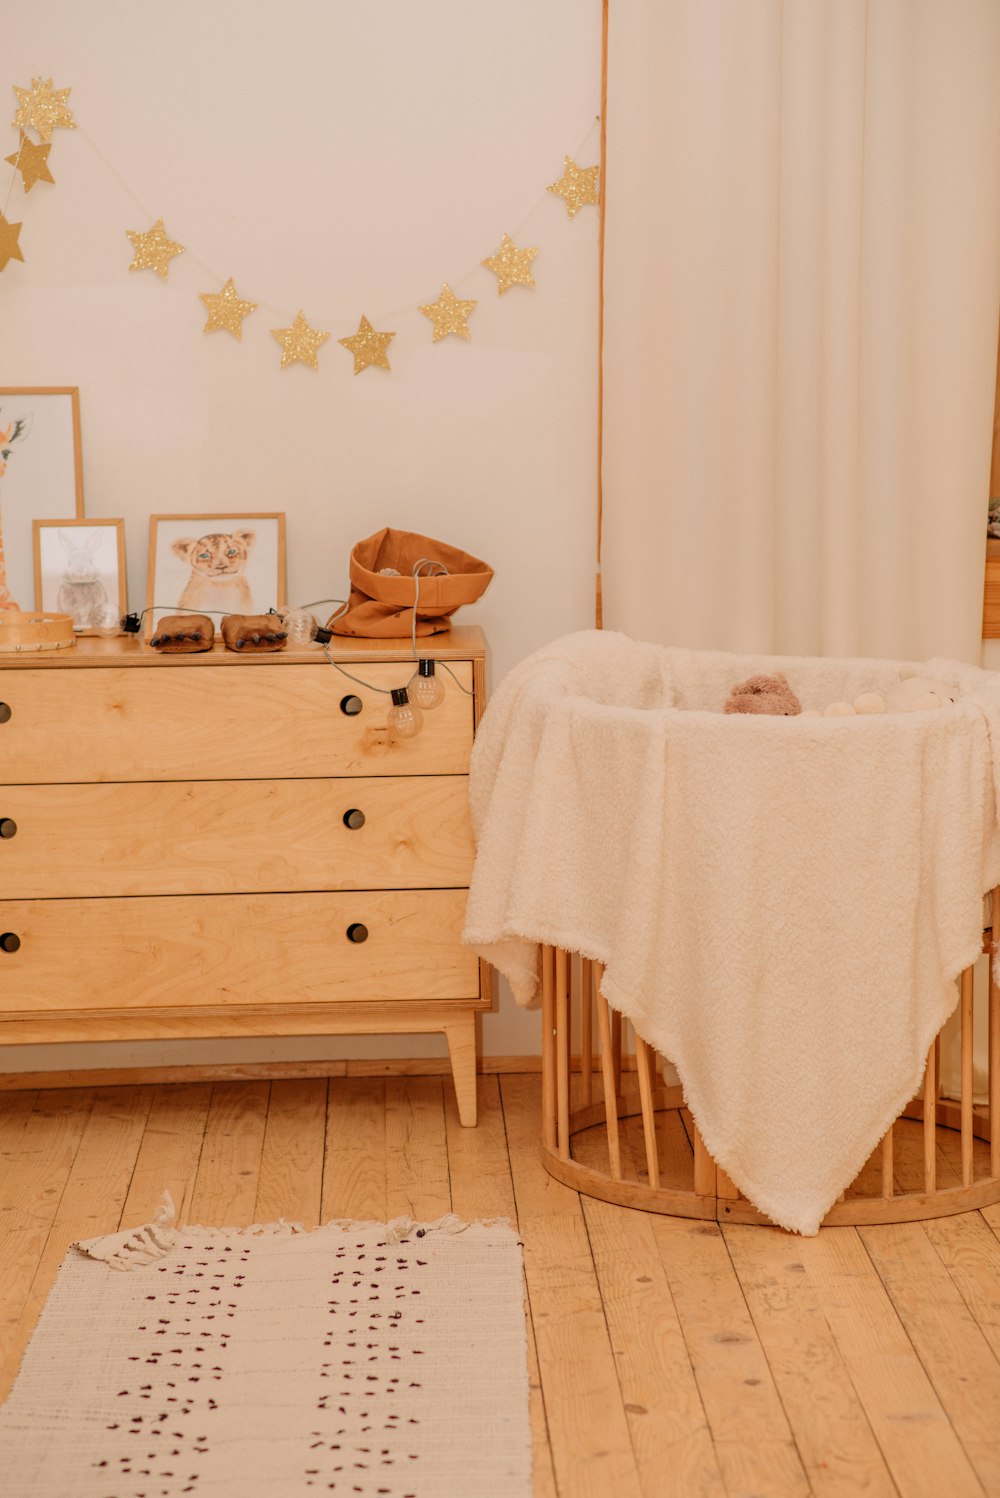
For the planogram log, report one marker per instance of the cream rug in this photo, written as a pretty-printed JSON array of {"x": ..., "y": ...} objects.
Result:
[{"x": 387, "y": 1361}]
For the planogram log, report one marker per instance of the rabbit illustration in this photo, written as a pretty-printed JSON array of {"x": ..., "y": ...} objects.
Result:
[{"x": 81, "y": 590}]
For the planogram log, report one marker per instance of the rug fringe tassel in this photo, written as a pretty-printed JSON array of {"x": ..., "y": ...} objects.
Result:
[{"x": 137, "y": 1247}]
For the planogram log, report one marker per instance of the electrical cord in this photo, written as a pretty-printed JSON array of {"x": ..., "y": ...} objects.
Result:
[{"x": 426, "y": 566}]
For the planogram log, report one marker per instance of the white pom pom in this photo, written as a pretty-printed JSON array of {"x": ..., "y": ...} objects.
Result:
[
  {"x": 839, "y": 710},
  {"x": 905, "y": 672},
  {"x": 869, "y": 702},
  {"x": 926, "y": 702}
]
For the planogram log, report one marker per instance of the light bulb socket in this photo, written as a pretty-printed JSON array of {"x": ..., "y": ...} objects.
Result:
[
  {"x": 323, "y": 636},
  {"x": 399, "y": 697},
  {"x": 425, "y": 667}
]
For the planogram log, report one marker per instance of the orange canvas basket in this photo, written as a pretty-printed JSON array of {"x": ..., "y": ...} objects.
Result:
[{"x": 381, "y": 604}]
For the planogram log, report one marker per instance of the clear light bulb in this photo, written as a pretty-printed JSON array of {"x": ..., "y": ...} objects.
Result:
[
  {"x": 301, "y": 626},
  {"x": 428, "y": 689},
  {"x": 104, "y": 618},
  {"x": 405, "y": 719}
]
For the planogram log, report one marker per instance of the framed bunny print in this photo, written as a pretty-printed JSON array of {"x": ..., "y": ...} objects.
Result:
[
  {"x": 215, "y": 564},
  {"x": 80, "y": 570}
]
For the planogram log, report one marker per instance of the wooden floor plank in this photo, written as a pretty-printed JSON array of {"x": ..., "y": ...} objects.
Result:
[
  {"x": 354, "y": 1165},
  {"x": 971, "y": 1254},
  {"x": 591, "y": 1446},
  {"x": 958, "y": 1359},
  {"x": 753, "y": 1441},
  {"x": 920, "y": 1448},
  {"x": 169, "y": 1153},
  {"x": 669, "y": 1428},
  {"x": 829, "y": 1426},
  {"x": 478, "y": 1163},
  {"x": 291, "y": 1167},
  {"x": 225, "y": 1187},
  {"x": 482, "y": 1188},
  {"x": 94, "y": 1194},
  {"x": 16, "y": 1109},
  {"x": 417, "y": 1181},
  {"x": 37, "y": 1157}
]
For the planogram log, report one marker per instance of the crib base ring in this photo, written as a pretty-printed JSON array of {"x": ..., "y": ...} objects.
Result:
[{"x": 637, "y": 1146}]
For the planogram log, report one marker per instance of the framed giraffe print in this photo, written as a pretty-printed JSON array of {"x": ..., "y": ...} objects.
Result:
[{"x": 41, "y": 477}]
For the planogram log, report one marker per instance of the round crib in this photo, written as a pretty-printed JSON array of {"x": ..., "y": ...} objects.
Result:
[{"x": 612, "y": 1129}]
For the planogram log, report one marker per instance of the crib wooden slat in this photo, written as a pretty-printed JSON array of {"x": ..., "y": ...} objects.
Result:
[
  {"x": 705, "y": 1170},
  {"x": 887, "y": 1164},
  {"x": 563, "y": 1039},
  {"x": 548, "y": 1048},
  {"x": 930, "y": 1123},
  {"x": 644, "y": 1067},
  {"x": 967, "y": 1057},
  {"x": 726, "y": 1188},
  {"x": 610, "y": 1090},
  {"x": 616, "y": 1048},
  {"x": 587, "y": 1029}
]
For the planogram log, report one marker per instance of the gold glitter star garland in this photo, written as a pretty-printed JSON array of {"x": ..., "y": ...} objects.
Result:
[{"x": 43, "y": 109}]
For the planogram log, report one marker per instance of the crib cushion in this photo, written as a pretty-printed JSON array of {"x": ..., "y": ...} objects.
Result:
[{"x": 782, "y": 904}]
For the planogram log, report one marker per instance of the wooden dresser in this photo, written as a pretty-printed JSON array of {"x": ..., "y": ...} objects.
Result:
[{"x": 222, "y": 845}]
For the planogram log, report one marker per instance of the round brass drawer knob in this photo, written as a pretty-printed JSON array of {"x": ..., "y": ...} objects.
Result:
[
  {"x": 355, "y": 932},
  {"x": 351, "y": 706},
  {"x": 5, "y": 712},
  {"x": 8, "y": 827},
  {"x": 9, "y": 941},
  {"x": 354, "y": 819}
]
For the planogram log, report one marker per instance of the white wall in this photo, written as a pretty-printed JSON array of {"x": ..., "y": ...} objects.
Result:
[{"x": 342, "y": 158}]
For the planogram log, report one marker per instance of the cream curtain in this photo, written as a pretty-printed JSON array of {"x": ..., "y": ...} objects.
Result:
[{"x": 802, "y": 287}]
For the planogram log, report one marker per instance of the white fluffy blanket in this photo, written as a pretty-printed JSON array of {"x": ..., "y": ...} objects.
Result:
[{"x": 782, "y": 905}]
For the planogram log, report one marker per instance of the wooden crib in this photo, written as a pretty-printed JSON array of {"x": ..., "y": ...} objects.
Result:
[{"x": 615, "y": 1131}]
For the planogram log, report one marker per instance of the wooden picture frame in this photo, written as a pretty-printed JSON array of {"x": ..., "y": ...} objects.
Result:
[
  {"x": 179, "y": 578},
  {"x": 79, "y": 564},
  {"x": 41, "y": 474}
]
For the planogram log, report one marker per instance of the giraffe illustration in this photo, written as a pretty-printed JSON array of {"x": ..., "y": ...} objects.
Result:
[{"x": 16, "y": 431}]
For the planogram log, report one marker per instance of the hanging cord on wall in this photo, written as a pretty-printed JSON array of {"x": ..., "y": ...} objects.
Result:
[{"x": 335, "y": 320}]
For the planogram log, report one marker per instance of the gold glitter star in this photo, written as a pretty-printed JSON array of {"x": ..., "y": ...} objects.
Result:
[
  {"x": 153, "y": 250},
  {"x": 9, "y": 247},
  {"x": 577, "y": 185},
  {"x": 32, "y": 162},
  {"x": 448, "y": 314},
  {"x": 368, "y": 347},
  {"x": 226, "y": 309},
  {"x": 511, "y": 266},
  {"x": 300, "y": 342},
  {"x": 43, "y": 108}
]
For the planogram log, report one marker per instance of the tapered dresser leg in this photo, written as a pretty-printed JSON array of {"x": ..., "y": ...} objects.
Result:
[{"x": 461, "y": 1035}]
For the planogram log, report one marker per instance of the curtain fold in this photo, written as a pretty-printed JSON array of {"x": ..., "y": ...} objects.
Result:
[{"x": 802, "y": 290}]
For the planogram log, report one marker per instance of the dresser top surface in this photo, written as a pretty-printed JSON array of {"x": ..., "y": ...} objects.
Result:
[{"x": 461, "y": 643}]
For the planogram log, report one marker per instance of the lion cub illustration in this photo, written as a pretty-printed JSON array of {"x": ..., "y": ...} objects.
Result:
[{"x": 217, "y": 582}]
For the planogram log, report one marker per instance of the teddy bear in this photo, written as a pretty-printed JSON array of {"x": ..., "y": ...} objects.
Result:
[
  {"x": 915, "y": 693},
  {"x": 764, "y": 694}
]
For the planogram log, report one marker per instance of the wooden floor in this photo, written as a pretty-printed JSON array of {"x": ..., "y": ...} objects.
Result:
[{"x": 667, "y": 1357}]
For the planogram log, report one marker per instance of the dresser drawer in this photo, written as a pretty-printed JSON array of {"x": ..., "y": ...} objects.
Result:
[
  {"x": 221, "y": 837},
  {"x": 229, "y": 950},
  {"x": 221, "y": 723}
]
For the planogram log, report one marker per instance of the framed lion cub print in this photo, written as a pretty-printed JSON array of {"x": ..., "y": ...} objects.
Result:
[{"x": 214, "y": 564}]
